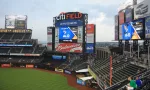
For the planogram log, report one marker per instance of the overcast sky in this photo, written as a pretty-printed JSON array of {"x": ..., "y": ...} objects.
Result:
[{"x": 41, "y": 12}]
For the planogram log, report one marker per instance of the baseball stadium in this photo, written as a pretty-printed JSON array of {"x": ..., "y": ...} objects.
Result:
[{"x": 71, "y": 58}]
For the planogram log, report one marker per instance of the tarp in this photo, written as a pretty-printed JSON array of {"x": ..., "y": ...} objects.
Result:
[
  {"x": 82, "y": 70},
  {"x": 86, "y": 78}
]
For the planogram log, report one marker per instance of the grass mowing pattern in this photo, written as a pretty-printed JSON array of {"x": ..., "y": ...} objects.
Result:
[{"x": 28, "y": 79}]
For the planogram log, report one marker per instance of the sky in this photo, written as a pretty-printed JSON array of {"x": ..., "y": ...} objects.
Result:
[{"x": 41, "y": 12}]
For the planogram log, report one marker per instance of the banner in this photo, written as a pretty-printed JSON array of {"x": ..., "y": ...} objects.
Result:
[
  {"x": 56, "y": 35},
  {"x": 81, "y": 82},
  {"x": 80, "y": 34},
  {"x": 67, "y": 72},
  {"x": 14, "y": 45},
  {"x": 128, "y": 15},
  {"x": 4, "y": 53},
  {"x": 59, "y": 70},
  {"x": 65, "y": 23},
  {"x": 89, "y": 47},
  {"x": 58, "y": 57},
  {"x": 90, "y": 29},
  {"x": 31, "y": 54},
  {"x": 121, "y": 18},
  {"x": 68, "y": 47},
  {"x": 49, "y": 34},
  {"x": 10, "y": 22},
  {"x": 147, "y": 27},
  {"x": 142, "y": 9},
  {"x": 133, "y": 30},
  {"x": 116, "y": 20},
  {"x": 29, "y": 66},
  {"x": 16, "y": 54},
  {"x": 116, "y": 33},
  {"x": 49, "y": 46},
  {"x": 120, "y": 32},
  {"x": 5, "y": 65}
]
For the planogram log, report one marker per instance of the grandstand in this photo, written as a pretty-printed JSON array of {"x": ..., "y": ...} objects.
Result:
[{"x": 16, "y": 46}]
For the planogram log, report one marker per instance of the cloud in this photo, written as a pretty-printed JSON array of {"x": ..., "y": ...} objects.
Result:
[
  {"x": 104, "y": 2},
  {"x": 104, "y": 31}
]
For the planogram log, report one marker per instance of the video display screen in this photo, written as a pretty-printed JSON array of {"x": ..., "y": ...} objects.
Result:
[
  {"x": 133, "y": 30},
  {"x": 68, "y": 34},
  {"x": 129, "y": 15},
  {"x": 147, "y": 27}
]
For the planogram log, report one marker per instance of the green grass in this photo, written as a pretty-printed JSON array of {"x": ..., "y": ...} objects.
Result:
[{"x": 28, "y": 79}]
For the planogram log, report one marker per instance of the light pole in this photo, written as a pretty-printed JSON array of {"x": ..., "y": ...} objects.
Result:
[
  {"x": 148, "y": 57},
  {"x": 138, "y": 51},
  {"x": 130, "y": 50}
]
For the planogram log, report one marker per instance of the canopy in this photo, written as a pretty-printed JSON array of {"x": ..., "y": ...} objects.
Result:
[
  {"x": 86, "y": 78},
  {"x": 82, "y": 70}
]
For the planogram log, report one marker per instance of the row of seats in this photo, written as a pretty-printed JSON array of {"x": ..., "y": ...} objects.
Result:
[
  {"x": 12, "y": 36},
  {"x": 34, "y": 50},
  {"x": 21, "y": 59},
  {"x": 66, "y": 64},
  {"x": 121, "y": 69}
]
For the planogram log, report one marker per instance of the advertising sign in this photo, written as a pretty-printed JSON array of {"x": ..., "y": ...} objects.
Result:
[
  {"x": 80, "y": 82},
  {"x": 49, "y": 34},
  {"x": 90, "y": 29},
  {"x": 68, "y": 47},
  {"x": 49, "y": 46},
  {"x": 67, "y": 72},
  {"x": 121, "y": 18},
  {"x": 116, "y": 20},
  {"x": 57, "y": 57},
  {"x": 21, "y": 22},
  {"x": 29, "y": 66},
  {"x": 147, "y": 28},
  {"x": 69, "y": 16},
  {"x": 59, "y": 70},
  {"x": 116, "y": 32},
  {"x": 142, "y": 9},
  {"x": 5, "y": 65},
  {"x": 15, "y": 45},
  {"x": 10, "y": 22},
  {"x": 128, "y": 15},
  {"x": 80, "y": 34},
  {"x": 120, "y": 32},
  {"x": 133, "y": 30},
  {"x": 56, "y": 35},
  {"x": 69, "y": 23},
  {"x": 68, "y": 34},
  {"x": 89, "y": 48}
]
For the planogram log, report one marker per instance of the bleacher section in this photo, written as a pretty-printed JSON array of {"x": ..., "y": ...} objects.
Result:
[
  {"x": 122, "y": 68},
  {"x": 4, "y": 50},
  {"x": 14, "y": 36},
  {"x": 21, "y": 59},
  {"x": 27, "y": 36}
]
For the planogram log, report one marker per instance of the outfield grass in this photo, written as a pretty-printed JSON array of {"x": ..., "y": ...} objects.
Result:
[{"x": 28, "y": 79}]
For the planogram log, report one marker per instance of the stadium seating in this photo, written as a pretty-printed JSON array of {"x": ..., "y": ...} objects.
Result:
[
  {"x": 21, "y": 59},
  {"x": 7, "y": 36},
  {"x": 39, "y": 50},
  {"x": 121, "y": 68},
  {"x": 15, "y": 50},
  {"x": 27, "y": 50},
  {"x": 27, "y": 36},
  {"x": 4, "y": 50},
  {"x": 1, "y": 34},
  {"x": 18, "y": 36}
]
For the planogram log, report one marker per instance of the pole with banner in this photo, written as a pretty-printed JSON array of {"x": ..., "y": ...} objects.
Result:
[{"x": 110, "y": 71}]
